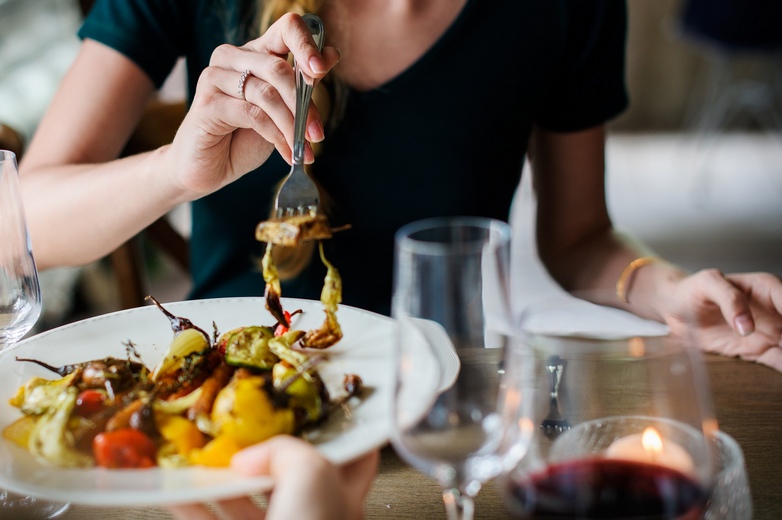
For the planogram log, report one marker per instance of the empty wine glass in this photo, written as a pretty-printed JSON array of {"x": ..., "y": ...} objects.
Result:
[
  {"x": 638, "y": 408},
  {"x": 20, "y": 294},
  {"x": 451, "y": 302},
  {"x": 20, "y": 306}
]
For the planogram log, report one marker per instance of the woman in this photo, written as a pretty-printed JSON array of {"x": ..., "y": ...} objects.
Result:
[{"x": 432, "y": 107}]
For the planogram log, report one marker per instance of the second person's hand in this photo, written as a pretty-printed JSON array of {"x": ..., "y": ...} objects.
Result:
[{"x": 306, "y": 485}]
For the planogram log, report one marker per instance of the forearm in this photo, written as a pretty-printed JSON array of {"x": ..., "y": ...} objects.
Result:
[
  {"x": 593, "y": 270},
  {"x": 575, "y": 236},
  {"x": 79, "y": 213}
]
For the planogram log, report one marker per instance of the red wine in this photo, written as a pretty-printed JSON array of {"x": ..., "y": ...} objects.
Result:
[{"x": 607, "y": 489}]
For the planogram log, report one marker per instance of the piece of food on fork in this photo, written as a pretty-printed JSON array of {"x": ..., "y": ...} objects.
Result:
[{"x": 292, "y": 231}]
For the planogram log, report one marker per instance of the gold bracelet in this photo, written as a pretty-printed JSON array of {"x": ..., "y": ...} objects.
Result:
[{"x": 622, "y": 283}]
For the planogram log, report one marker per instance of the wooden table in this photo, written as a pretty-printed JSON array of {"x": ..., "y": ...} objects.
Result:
[{"x": 748, "y": 401}]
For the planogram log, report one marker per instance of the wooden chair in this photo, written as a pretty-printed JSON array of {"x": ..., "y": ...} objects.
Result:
[
  {"x": 156, "y": 128},
  {"x": 11, "y": 140}
]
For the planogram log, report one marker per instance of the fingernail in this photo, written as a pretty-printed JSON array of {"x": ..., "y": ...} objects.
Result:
[
  {"x": 340, "y": 54},
  {"x": 744, "y": 325},
  {"x": 315, "y": 131},
  {"x": 309, "y": 155},
  {"x": 317, "y": 65}
]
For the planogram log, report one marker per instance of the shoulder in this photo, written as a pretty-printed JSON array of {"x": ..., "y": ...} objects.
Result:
[{"x": 152, "y": 33}]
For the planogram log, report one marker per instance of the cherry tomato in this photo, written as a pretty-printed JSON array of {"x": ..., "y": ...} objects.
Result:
[
  {"x": 124, "y": 448},
  {"x": 282, "y": 329},
  {"x": 88, "y": 402}
]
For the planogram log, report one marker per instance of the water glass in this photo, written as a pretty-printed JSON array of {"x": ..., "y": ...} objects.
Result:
[{"x": 451, "y": 303}]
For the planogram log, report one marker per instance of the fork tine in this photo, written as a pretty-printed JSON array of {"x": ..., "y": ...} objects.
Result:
[{"x": 298, "y": 194}]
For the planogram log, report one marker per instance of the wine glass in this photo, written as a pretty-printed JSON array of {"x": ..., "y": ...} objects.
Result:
[
  {"x": 20, "y": 305},
  {"x": 731, "y": 497},
  {"x": 451, "y": 303},
  {"x": 635, "y": 418},
  {"x": 20, "y": 294}
]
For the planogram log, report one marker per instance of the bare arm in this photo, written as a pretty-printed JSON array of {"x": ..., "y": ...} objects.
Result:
[
  {"x": 576, "y": 239},
  {"x": 733, "y": 314},
  {"x": 79, "y": 205}
]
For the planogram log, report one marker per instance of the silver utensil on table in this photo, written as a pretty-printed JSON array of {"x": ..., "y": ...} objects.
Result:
[
  {"x": 298, "y": 194},
  {"x": 554, "y": 423}
]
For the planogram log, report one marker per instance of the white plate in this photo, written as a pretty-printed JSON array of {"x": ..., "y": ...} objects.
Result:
[{"x": 367, "y": 350}]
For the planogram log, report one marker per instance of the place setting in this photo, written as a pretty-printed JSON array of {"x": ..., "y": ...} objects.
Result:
[{"x": 568, "y": 409}]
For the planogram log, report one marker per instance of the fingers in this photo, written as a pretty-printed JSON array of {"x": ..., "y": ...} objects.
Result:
[
  {"x": 239, "y": 509},
  {"x": 191, "y": 512},
  {"x": 290, "y": 34},
  {"x": 359, "y": 475},
  {"x": 222, "y": 114},
  {"x": 274, "y": 456},
  {"x": 732, "y": 302},
  {"x": 253, "y": 86},
  {"x": 765, "y": 287},
  {"x": 235, "y": 508},
  {"x": 772, "y": 357},
  {"x": 263, "y": 103}
]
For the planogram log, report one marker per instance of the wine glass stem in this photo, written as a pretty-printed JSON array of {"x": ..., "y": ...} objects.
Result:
[{"x": 458, "y": 506}]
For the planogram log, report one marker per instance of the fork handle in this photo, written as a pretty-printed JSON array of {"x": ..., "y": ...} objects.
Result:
[
  {"x": 554, "y": 366},
  {"x": 304, "y": 90}
]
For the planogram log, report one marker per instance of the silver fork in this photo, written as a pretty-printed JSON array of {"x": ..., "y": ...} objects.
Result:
[
  {"x": 298, "y": 194},
  {"x": 554, "y": 423}
]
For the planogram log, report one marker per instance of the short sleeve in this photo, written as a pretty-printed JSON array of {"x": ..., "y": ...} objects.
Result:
[
  {"x": 588, "y": 85},
  {"x": 149, "y": 32}
]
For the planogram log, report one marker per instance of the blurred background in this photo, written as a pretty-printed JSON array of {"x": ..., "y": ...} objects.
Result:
[{"x": 694, "y": 165}]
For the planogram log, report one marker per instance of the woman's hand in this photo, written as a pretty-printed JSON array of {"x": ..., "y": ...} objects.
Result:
[
  {"x": 733, "y": 315},
  {"x": 306, "y": 486},
  {"x": 233, "y": 128}
]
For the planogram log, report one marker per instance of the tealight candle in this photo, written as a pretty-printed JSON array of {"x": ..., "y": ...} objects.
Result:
[{"x": 650, "y": 447}]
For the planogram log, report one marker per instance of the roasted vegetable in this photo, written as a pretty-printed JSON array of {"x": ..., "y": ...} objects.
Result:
[
  {"x": 89, "y": 402},
  {"x": 202, "y": 403},
  {"x": 248, "y": 347},
  {"x": 180, "y": 433},
  {"x": 189, "y": 341},
  {"x": 52, "y": 441},
  {"x": 244, "y": 412},
  {"x": 126, "y": 448},
  {"x": 202, "y": 407},
  {"x": 292, "y": 231},
  {"x": 273, "y": 289},
  {"x": 281, "y": 347},
  {"x": 178, "y": 323},
  {"x": 304, "y": 393},
  {"x": 20, "y": 430},
  {"x": 39, "y": 394},
  {"x": 331, "y": 296}
]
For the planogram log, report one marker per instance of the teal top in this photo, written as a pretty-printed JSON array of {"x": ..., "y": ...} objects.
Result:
[{"x": 447, "y": 136}]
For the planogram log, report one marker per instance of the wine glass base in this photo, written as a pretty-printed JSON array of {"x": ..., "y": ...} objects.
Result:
[{"x": 29, "y": 508}]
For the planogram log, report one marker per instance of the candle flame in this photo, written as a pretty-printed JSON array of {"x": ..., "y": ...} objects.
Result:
[
  {"x": 652, "y": 442},
  {"x": 636, "y": 347}
]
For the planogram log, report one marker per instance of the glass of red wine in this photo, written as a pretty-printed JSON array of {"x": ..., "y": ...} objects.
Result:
[{"x": 620, "y": 414}]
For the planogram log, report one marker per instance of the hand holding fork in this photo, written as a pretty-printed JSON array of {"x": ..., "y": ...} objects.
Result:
[{"x": 298, "y": 194}]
